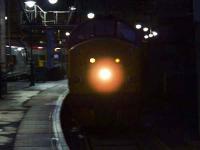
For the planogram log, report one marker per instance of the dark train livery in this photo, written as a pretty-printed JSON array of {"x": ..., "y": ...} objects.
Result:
[{"x": 104, "y": 71}]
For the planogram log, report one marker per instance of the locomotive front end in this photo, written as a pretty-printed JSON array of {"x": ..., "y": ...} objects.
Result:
[{"x": 105, "y": 75}]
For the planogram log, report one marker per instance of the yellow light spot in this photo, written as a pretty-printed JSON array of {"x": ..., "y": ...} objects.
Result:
[
  {"x": 117, "y": 60},
  {"x": 105, "y": 74},
  {"x": 92, "y": 60}
]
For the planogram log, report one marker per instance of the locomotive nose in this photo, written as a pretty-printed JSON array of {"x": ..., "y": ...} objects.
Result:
[{"x": 105, "y": 76}]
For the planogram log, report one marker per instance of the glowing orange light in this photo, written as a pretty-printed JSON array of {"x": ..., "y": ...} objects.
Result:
[
  {"x": 117, "y": 60},
  {"x": 92, "y": 60},
  {"x": 105, "y": 76}
]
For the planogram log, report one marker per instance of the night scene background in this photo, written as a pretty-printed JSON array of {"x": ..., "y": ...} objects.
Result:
[{"x": 169, "y": 62}]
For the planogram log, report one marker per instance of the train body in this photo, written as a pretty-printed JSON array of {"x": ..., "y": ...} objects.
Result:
[
  {"x": 17, "y": 63},
  {"x": 104, "y": 71}
]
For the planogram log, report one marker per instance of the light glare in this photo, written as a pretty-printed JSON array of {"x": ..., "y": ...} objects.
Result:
[
  {"x": 155, "y": 33},
  {"x": 72, "y": 8},
  {"x": 150, "y": 35},
  {"x": 67, "y": 33},
  {"x": 90, "y": 15},
  {"x": 53, "y": 1},
  {"x": 145, "y": 29},
  {"x": 146, "y": 36},
  {"x": 92, "y": 60},
  {"x": 30, "y": 3},
  {"x": 104, "y": 74},
  {"x": 138, "y": 26},
  {"x": 117, "y": 60}
]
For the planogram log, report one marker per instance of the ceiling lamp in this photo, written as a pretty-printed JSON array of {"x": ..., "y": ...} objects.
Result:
[
  {"x": 53, "y": 1},
  {"x": 145, "y": 29},
  {"x": 90, "y": 15},
  {"x": 72, "y": 8},
  {"x": 146, "y": 36},
  {"x": 67, "y": 33},
  {"x": 138, "y": 26},
  {"x": 154, "y": 33},
  {"x": 30, "y": 3}
]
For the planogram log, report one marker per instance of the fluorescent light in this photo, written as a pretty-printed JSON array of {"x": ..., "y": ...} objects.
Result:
[
  {"x": 145, "y": 29},
  {"x": 154, "y": 33},
  {"x": 53, "y": 1},
  {"x": 146, "y": 36},
  {"x": 30, "y": 3},
  {"x": 138, "y": 26},
  {"x": 90, "y": 15}
]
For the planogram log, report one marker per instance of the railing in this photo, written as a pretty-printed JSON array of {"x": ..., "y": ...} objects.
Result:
[{"x": 47, "y": 17}]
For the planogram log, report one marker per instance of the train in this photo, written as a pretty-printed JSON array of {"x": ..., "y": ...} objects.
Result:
[
  {"x": 18, "y": 59},
  {"x": 104, "y": 72},
  {"x": 17, "y": 63}
]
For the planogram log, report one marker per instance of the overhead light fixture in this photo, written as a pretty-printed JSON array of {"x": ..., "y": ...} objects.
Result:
[
  {"x": 117, "y": 60},
  {"x": 30, "y": 3},
  {"x": 151, "y": 35},
  {"x": 154, "y": 33},
  {"x": 90, "y": 15},
  {"x": 53, "y": 1},
  {"x": 67, "y": 33},
  {"x": 6, "y": 18},
  {"x": 146, "y": 36},
  {"x": 138, "y": 26},
  {"x": 20, "y": 49},
  {"x": 72, "y": 8},
  {"x": 145, "y": 29},
  {"x": 56, "y": 49},
  {"x": 92, "y": 60},
  {"x": 40, "y": 47}
]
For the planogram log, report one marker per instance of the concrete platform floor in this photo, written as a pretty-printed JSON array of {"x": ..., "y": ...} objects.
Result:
[{"x": 28, "y": 115}]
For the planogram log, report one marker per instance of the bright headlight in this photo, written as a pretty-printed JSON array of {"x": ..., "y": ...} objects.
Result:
[{"x": 105, "y": 74}]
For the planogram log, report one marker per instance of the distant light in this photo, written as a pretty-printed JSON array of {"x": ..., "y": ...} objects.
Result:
[
  {"x": 56, "y": 56},
  {"x": 6, "y": 18},
  {"x": 151, "y": 35},
  {"x": 7, "y": 46},
  {"x": 72, "y": 8},
  {"x": 20, "y": 49},
  {"x": 146, "y": 36},
  {"x": 154, "y": 33},
  {"x": 138, "y": 26},
  {"x": 30, "y": 3},
  {"x": 56, "y": 49},
  {"x": 92, "y": 60},
  {"x": 40, "y": 47},
  {"x": 53, "y": 1},
  {"x": 117, "y": 60},
  {"x": 145, "y": 29},
  {"x": 41, "y": 42},
  {"x": 90, "y": 15},
  {"x": 67, "y": 33},
  {"x": 13, "y": 46}
]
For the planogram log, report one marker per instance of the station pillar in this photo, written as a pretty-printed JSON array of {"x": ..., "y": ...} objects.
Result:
[
  {"x": 3, "y": 84},
  {"x": 50, "y": 47}
]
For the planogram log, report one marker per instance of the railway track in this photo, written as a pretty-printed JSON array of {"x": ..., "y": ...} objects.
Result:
[
  {"x": 103, "y": 139},
  {"x": 112, "y": 136},
  {"x": 125, "y": 142}
]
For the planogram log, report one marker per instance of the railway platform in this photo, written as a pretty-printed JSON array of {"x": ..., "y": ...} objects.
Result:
[{"x": 29, "y": 116}]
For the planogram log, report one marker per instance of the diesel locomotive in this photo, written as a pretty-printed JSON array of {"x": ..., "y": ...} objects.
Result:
[{"x": 104, "y": 71}]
